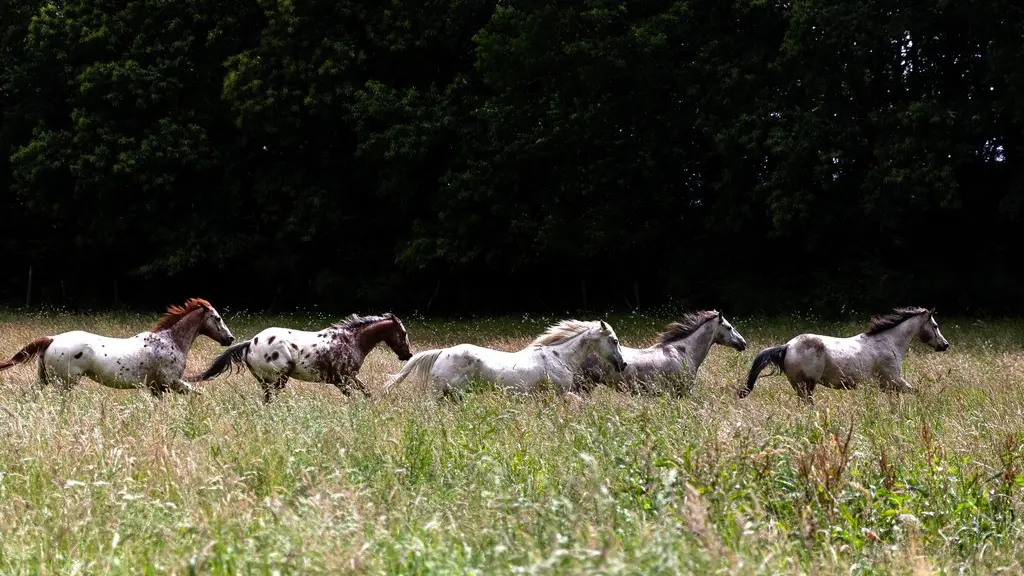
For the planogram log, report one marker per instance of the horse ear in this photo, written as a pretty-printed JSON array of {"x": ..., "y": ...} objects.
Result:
[
  {"x": 931, "y": 311},
  {"x": 604, "y": 326}
]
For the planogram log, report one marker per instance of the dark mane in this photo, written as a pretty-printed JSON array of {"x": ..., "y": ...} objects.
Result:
[
  {"x": 893, "y": 319},
  {"x": 355, "y": 322},
  {"x": 176, "y": 313},
  {"x": 691, "y": 322}
]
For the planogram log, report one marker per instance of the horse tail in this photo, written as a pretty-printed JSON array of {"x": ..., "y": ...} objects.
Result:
[
  {"x": 234, "y": 355},
  {"x": 420, "y": 364},
  {"x": 33, "y": 349},
  {"x": 775, "y": 355}
]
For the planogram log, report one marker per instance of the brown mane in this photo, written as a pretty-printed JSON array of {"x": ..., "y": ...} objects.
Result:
[
  {"x": 893, "y": 319},
  {"x": 176, "y": 313},
  {"x": 692, "y": 321}
]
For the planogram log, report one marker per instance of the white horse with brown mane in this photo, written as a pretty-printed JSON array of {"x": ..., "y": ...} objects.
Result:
[
  {"x": 153, "y": 359},
  {"x": 554, "y": 356},
  {"x": 842, "y": 363},
  {"x": 679, "y": 351}
]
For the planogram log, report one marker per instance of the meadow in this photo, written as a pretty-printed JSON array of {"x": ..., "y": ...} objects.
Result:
[{"x": 99, "y": 481}]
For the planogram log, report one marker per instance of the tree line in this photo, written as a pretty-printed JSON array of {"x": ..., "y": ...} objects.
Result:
[{"x": 479, "y": 156}]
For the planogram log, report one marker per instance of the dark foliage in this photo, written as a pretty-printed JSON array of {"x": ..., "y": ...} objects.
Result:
[{"x": 468, "y": 155}]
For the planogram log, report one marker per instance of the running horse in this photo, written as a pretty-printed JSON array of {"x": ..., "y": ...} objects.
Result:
[
  {"x": 554, "y": 356},
  {"x": 333, "y": 355},
  {"x": 680, "y": 351},
  {"x": 154, "y": 359},
  {"x": 842, "y": 363}
]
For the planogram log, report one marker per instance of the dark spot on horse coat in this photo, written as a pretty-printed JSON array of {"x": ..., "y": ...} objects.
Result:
[
  {"x": 275, "y": 355},
  {"x": 255, "y": 340},
  {"x": 555, "y": 352},
  {"x": 77, "y": 356},
  {"x": 816, "y": 345},
  {"x": 271, "y": 340},
  {"x": 682, "y": 349},
  {"x": 293, "y": 345}
]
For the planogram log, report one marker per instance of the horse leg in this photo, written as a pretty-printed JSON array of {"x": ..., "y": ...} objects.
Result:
[
  {"x": 804, "y": 389},
  {"x": 41, "y": 380},
  {"x": 358, "y": 384},
  {"x": 271, "y": 386},
  {"x": 182, "y": 387}
]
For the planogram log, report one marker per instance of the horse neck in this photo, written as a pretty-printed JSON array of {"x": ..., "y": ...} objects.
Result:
[
  {"x": 575, "y": 350},
  {"x": 697, "y": 345},
  {"x": 899, "y": 337},
  {"x": 185, "y": 331},
  {"x": 371, "y": 335}
]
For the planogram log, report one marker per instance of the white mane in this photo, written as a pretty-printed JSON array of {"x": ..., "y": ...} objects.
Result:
[{"x": 564, "y": 331}]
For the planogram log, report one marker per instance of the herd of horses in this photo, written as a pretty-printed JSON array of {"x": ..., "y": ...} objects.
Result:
[{"x": 571, "y": 355}]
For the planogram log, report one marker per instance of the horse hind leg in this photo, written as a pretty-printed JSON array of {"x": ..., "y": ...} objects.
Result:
[
  {"x": 804, "y": 388},
  {"x": 272, "y": 387},
  {"x": 42, "y": 380}
]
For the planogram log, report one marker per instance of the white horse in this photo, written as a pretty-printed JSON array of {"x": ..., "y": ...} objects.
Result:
[
  {"x": 154, "y": 359},
  {"x": 554, "y": 356},
  {"x": 842, "y": 363},
  {"x": 680, "y": 350}
]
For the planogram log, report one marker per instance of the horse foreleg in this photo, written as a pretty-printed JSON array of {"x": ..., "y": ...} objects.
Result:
[
  {"x": 897, "y": 383},
  {"x": 359, "y": 385}
]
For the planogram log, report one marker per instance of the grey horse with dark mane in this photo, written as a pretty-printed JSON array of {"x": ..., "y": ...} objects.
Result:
[
  {"x": 679, "y": 352},
  {"x": 842, "y": 363}
]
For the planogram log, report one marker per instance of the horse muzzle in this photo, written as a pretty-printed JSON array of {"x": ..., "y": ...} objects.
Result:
[
  {"x": 942, "y": 347},
  {"x": 621, "y": 366},
  {"x": 227, "y": 340}
]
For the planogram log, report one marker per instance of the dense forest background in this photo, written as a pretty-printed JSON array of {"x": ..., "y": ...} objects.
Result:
[{"x": 480, "y": 156}]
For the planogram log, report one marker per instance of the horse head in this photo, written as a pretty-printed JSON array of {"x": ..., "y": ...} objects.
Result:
[
  {"x": 727, "y": 335},
  {"x": 397, "y": 338},
  {"x": 929, "y": 333},
  {"x": 214, "y": 328},
  {"x": 608, "y": 346}
]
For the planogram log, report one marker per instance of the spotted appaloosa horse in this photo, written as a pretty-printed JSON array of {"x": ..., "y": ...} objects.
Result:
[
  {"x": 841, "y": 363},
  {"x": 154, "y": 359},
  {"x": 333, "y": 355},
  {"x": 680, "y": 350}
]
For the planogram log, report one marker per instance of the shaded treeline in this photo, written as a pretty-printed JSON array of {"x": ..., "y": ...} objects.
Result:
[{"x": 469, "y": 155}]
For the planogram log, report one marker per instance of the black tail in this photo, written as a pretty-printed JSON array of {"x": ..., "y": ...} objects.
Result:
[
  {"x": 775, "y": 355},
  {"x": 234, "y": 355}
]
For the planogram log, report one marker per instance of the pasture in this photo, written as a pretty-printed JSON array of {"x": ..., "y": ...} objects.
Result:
[{"x": 100, "y": 481}]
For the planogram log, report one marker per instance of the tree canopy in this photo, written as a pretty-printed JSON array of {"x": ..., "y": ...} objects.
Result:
[{"x": 479, "y": 156}]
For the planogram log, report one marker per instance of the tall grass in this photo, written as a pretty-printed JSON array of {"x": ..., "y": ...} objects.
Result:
[{"x": 101, "y": 481}]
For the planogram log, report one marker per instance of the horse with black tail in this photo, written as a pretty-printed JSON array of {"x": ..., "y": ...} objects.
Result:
[
  {"x": 842, "y": 363},
  {"x": 333, "y": 355}
]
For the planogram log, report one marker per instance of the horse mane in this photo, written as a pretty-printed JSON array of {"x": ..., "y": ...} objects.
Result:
[
  {"x": 563, "y": 331},
  {"x": 355, "y": 322},
  {"x": 175, "y": 313},
  {"x": 893, "y": 319},
  {"x": 691, "y": 322}
]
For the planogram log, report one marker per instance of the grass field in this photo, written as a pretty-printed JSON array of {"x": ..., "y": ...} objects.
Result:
[{"x": 102, "y": 481}]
